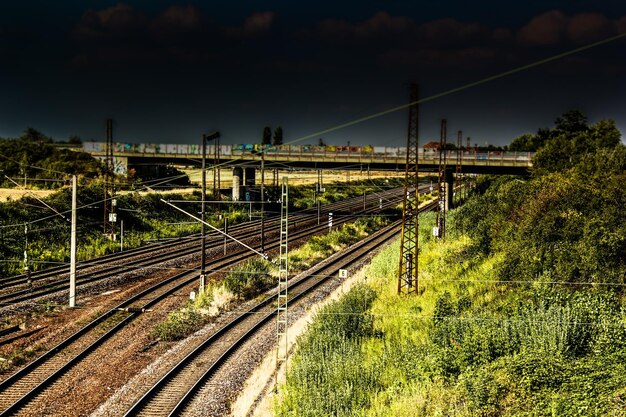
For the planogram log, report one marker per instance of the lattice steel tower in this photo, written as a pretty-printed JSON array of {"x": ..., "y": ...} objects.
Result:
[
  {"x": 458, "y": 184},
  {"x": 408, "y": 271},
  {"x": 282, "y": 349}
]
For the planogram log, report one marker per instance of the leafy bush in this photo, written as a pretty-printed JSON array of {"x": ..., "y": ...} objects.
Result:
[
  {"x": 326, "y": 377},
  {"x": 249, "y": 279},
  {"x": 179, "y": 324}
]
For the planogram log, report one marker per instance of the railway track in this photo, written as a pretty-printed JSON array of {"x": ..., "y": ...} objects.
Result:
[
  {"x": 21, "y": 388},
  {"x": 172, "y": 394},
  {"x": 171, "y": 251},
  {"x": 122, "y": 257}
]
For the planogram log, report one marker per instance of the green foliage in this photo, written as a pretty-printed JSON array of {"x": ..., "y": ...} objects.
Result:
[
  {"x": 278, "y": 136},
  {"x": 248, "y": 279},
  {"x": 145, "y": 218},
  {"x": 320, "y": 247},
  {"x": 470, "y": 346},
  {"x": 179, "y": 324},
  {"x": 19, "y": 357},
  {"x": 326, "y": 377},
  {"x": 174, "y": 176},
  {"x": 565, "y": 227},
  {"x": 303, "y": 197},
  {"x": 32, "y": 151},
  {"x": 267, "y": 135}
]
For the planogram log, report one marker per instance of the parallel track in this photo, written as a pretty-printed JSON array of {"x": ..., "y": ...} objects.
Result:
[
  {"x": 172, "y": 394},
  {"x": 24, "y": 386},
  {"x": 135, "y": 260},
  {"x": 21, "y": 279}
]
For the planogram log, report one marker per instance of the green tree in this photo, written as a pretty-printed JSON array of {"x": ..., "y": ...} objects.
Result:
[
  {"x": 278, "y": 136},
  {"x": 572, "y": 137},
  {"x": 571, "y": 122},
  {"x": 33, "y": 135},
  {"x": 523, "y": 143},
  {"x": 267, "y": 135}
]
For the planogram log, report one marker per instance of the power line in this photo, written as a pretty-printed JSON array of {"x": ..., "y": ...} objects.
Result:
[{"x": 460, "y": 88}]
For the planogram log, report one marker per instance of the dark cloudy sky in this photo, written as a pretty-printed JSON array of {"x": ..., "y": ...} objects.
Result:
[{"x": 166, "y": 71}]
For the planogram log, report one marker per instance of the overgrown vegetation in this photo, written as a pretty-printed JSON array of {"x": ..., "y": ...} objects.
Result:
[
  {"x": 145, "y": 218},
  {"x": 322, "y": 246},
  {"x": 35, "y": 157},
  {"x": 251, "y": 278},
  {"x": 330, "y": 359},
  {"x": 303, "y": 197},
  {"x": 522, "y": 311}
]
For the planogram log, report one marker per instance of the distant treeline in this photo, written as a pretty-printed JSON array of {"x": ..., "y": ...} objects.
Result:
[{"x": 37, "y": 160}]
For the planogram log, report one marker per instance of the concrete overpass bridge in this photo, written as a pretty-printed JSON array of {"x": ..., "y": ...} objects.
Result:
[
  {"x": 244, "y": 159},
  {"x": 380, "y": 158}
]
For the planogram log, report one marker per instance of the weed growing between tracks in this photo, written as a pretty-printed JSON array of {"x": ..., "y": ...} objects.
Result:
[
  {"x": 467, "y": 346},
  {"x": 18, "y": 357}
]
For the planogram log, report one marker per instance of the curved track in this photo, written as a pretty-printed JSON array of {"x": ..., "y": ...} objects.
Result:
[
  {"x": 50, "y": 282},
  {"x": 175, "y": 391},
  {"x": 22, "y": 387}
]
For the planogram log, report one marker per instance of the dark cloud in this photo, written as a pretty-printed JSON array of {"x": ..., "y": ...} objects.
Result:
[
  {"x": 380, "y": 25},
  {"x": 179, "y": 34},
  {"x": 178, "y": 20},
  {"x": 119, "y": 21},
  {"x": 589, "y": 27},
  {"x": 254, "y": 25},
  {"x": 555, "y": 28},
  {"x": 620, "y": 25},
  {"x": 546, "y": 29},
  {"x": 451, "y": 32}
]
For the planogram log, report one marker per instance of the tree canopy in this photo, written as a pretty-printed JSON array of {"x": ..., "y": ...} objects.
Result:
[
  {"x": 34, "y": 156},
  {"x": 565, "y": 145}
]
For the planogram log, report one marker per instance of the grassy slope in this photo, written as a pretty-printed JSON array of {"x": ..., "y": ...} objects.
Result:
[{"x": 467, "y": 346}]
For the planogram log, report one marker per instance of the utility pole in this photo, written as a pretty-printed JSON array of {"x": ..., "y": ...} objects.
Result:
[
  {"x": 203, "y": 217},
  {"x": 217, "y": 195},
  {"x": 205, "y": 137},
  {"x": 408, "y": 271},
  {"x": 440, "y": 217},
  {"x": 73, "y": 247},
  {"x": 26, "y": 268},
  {"x": 263, "y": 198},
  {"x": 109, "y": 184}
]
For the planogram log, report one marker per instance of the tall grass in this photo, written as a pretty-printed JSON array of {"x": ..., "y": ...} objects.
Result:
[
  {"x": 326, "y": 377},
  {"x": 468, "y": 345}
]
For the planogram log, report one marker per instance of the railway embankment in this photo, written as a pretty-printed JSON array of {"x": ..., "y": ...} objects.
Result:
[{"x": 521, "y": 310}]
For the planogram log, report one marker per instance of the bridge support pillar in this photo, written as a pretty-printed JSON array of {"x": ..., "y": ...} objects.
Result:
[
  {"x": 249, "y": 181},
  {"x": 449, "y": 189},
  {"x": 237, "y": 183},
  {"x": 250, "y": 174}
]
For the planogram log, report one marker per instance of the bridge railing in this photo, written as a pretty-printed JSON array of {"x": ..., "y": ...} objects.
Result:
[{"x": 357, "y": 153}]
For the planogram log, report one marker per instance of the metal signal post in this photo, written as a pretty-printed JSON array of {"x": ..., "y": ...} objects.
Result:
[
  {"x": 408, "y": 271},
  {"x": 212, "y": 136},
  {"x": 442, "y": 186},
  {"x": 110, "y": 217}
]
